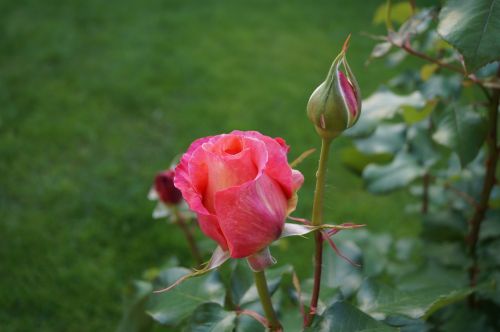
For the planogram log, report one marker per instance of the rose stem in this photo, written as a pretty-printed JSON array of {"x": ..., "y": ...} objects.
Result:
[
  {"x": 189, "y": 236},
  {"x": 317, "y": 216},
  {"x": 489, "y": 182},
  {"x": 265, "y": 299}
]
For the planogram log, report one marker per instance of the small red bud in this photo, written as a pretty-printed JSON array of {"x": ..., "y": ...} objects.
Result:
[{"x": 164, "y": 187}]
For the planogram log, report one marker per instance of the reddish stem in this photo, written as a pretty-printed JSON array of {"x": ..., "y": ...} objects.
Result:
[{"x": 489, "y": 182}]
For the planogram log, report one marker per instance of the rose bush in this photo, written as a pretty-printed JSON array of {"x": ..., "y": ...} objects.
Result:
[{"x": 241, "y": 188}]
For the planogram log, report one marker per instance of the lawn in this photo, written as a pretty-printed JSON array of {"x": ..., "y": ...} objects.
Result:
[{"x": 97, "y": 96}]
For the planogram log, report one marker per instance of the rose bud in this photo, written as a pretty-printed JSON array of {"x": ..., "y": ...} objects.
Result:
[
  {"x": 241, "y": 188},
  {"x": 335, "y": 105},
  {"x": 165, "y": 189}
]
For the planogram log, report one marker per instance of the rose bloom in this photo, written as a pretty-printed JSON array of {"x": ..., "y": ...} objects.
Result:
[{"x": 241, "y": 188}]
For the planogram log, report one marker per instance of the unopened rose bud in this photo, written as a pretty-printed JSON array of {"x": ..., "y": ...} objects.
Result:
[
  {"x": 335, "y": 105},
  {"x": 165, "y": 189}
]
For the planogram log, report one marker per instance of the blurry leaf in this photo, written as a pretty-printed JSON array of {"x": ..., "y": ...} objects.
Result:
[
  {"x": 395, "y": 58},
  {"x": 444, "y": 225},
  {"x": 489, "y": 254},
  {"x": 494, "y": 202},
  {"x": 380, "y": 50},
  {"x": 490, "y": 227},
  {"x": 427, "y": 70},
  {"x": 246, "y": 323},
  {"x": 241, "y": 280},
  {"x": 400, "y": 12},
  {"x": 400, "y": 172},
  {"x": 422, "y": 146},
  {"x": 413, "y": 115},
  {"x": 387, "y": 138},
  {"x": 356, "y": 161},
  {"x": 431, "y": 273},
  {"x": 442, "y": 86},
  {"x": 472, "y": 27},
  {"x": 383, "y": 105},
  {"x": 462, "y": 130},
  {"x": 211, "y": 317},
  {"x": 406, "y": 324},
  {"x": 135, "y": 318},
  {"x": 448, "y": 254},
  {"x": 343, "y": 317},
  {"x": 339, "y": 273},
  {"x": 417, "y": 24},
  {"x": 171, "y": 307},
  {"x": 463, "y": 319},
  {"x": 378, "y": 298},
  {"x": 375, "y": 254},
  {"x": 273, "y": 276}
]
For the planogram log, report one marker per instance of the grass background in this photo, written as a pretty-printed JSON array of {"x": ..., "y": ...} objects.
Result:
[{"x": 97, "y": 96}]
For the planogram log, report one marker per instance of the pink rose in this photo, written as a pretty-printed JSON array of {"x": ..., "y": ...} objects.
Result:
[{"x": 241, "y": 187}]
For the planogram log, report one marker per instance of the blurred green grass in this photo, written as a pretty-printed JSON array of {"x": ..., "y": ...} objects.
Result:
[{"x": 96, "y": 97}]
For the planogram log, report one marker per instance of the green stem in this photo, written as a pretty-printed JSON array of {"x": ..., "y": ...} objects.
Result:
[
  {"x": 317, "y": 215},
  {"x": 317, "y": 219},
  {"x": 189, "y": 236},
  {"x": 265, "y": 299}
]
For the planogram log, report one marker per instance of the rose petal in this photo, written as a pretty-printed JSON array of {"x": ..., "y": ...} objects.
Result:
[
  {"x": 349, "y": 94},
  {"x": 209, "y": 225},
  {"x": 212, "y": 169},
  {"x": 277, "y": 165},
  {"x": 207, "y": 221},
  {"x": 252, "y": 215}
]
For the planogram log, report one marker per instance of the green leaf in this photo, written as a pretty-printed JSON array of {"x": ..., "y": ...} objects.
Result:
[
  {"x": 400, "y": 172},
  {"x": 378, "y": 298},
  {"x": 171, "y": 307},
  {"x": 273, "y": 276},
  {"x": 383, "y": 105},
  {"x": 134, "y": 317},
  {"x": 339, "y": 273},
  {"x": 462, "y": 130},
  {"x": 356, "y": 161},
  {"x": 380, "y": 50},
  {"x": 211, "y": 317},
  {"x": 343, "y": 317},
  {"x": 400, "y": 12},
  {"x": 387, "y": 138},
  {"x": 445, "y": 225},
  {"x": 490, "y": 227},
  {"x": 413, "y": 115},
  {"x": 422, "y": 146},
  {"x": 463, "y": 319},
  {"x": 415, "y": 25},
  {"x": 473, "y": 28}
]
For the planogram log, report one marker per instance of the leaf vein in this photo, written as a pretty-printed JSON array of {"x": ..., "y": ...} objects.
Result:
[{"x": 484, "y": 29}]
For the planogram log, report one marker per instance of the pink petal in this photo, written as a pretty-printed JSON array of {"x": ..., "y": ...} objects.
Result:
[
  {"x": 207, "y": 221},
  {"x": 349, "y": 94},
  {"x": 210, "y": 227},
  {"x": 277, "y": 165},
  {"x": 297, "y": 179},
  {"x": 252, "y": 215},
  {"x": 212, "y": 169}
]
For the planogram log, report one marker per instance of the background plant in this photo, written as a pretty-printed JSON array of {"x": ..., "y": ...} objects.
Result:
[{"x": 436, "y": 133}]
